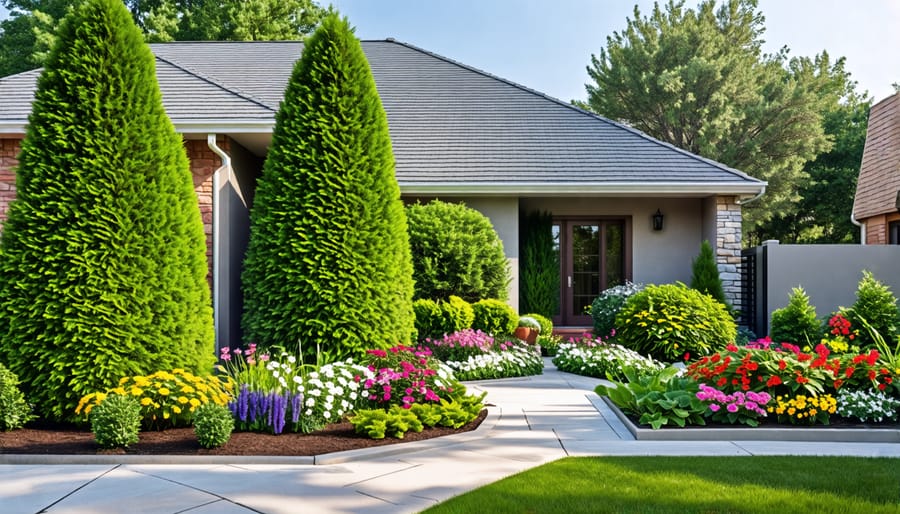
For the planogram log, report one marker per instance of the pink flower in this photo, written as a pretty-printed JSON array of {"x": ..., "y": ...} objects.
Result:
[
  {"x": 732, "y": 407},
  {"x": 714, "y": 407}
]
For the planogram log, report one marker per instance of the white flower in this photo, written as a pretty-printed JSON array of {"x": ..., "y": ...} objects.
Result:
[{"x": 291, "y": 359}]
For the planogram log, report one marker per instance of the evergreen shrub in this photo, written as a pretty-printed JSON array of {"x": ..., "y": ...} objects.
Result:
[
  {"x": 116, "y": 422},
  {"x": 456, "y": 251},
  {"x": 328, "y": 262},
  {"x": 797, "y": 322},
  {"x": 877, "y": 305},
  {"x": 14, "y": 410},
  {"x": 705, "y": 274},
  {"x": 671, "y": 321},
  {"x": 538, "y": 265},
  {"x": 494, "y": 317},
  {"x": 213, "y": 425},
  {"x": 103, "y": 269},
  {"x": 435, "y": 319}
]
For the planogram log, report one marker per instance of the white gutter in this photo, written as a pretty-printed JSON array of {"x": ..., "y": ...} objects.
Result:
[
  {"x": 862, "y": 228},
  {"x": 579, "y": 189},
  {"x": 216, "y": 184},
  {"x": 743, "y": 202}
]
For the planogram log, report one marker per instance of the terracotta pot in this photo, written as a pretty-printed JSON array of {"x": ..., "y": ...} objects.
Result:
[{"x": 527, "y": 334}]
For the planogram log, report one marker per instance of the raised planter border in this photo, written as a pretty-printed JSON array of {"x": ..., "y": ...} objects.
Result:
[{"x": 745, "y": 433}]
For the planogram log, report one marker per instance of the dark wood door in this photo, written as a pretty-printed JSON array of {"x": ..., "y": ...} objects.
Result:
[{"x": 592, "y": 258}]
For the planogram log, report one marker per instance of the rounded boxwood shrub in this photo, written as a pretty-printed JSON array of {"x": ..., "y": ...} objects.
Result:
[
  {"x": 606, "y": 307},
  {"x": 328, "y": 262},
  {"x": 456, "y": 251},
  {"x": 116, "y": 421},
  {"x": 877, "y": 305},
  {"x": 435, "y": 319},
  {"x": 14, "y": 410},
  {"x": 494, "y": 317},
  {"x": 213, "y": 425},
  {"x": 670, "y": 321},
  {"x": 103, "y": 269},
  {"x": 797, "y": 322}
]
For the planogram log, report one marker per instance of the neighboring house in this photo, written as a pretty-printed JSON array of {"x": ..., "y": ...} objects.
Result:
[
  {"x": 877, "y": 203},
  {"x": 459, "y": 134}
]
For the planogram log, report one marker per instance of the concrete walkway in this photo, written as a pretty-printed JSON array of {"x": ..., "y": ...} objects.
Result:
[{"x": 533, "y": 421}]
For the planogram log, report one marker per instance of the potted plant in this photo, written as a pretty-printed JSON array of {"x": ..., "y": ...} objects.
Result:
[{"x": 528, "y": 329}]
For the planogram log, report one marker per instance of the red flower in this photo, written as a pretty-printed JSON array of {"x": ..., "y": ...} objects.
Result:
[
  {"x": 722, "y": 381},
  {"x": 716, "y": 357},
  {"x": 872, "y": 358},
  {"x": 802, "y": 380},
  {"x": 782, "y": 364},
  {"x": 773, "y": 381},
  {"x": 872, "y": 375},
  {"x": 803, "y": 357},
  {"x": 731, "y": 347},
  {"x": 838, "y": 383},
  {"x": 882, "y": 386},
  {"x": 687, "y": 356},
  {"x": 849, "y": 371}
]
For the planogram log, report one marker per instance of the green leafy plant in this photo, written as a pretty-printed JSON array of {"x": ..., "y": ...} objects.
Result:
[
  {"x": 103, "y": 269},
  {"x": 494, "y": 317},
  {"x": 328, "y": 262},
  {"x": 379, "y": 423},
  {"x": 877, "y": 305},
  {"x": 116, "y": 422},
  {"x": 658, "y": 399},
  {"x": 546, "y": 325},
  {"x": 797, "y": 322},
  {"x": 705, "y": 274},
  {"x": 606, "y": 307},
  {"x": 671, "y": 321},
  {"x": 538, "y": 265},
  {"x": 549, "y": 345},
  {"x": 454, "y": 412},
  {"x": 456, "y": 252},
  {"x": 436, "y": 318},
  {"x": 213, "y": 425},
  {"x": 529, "y": 322},
  {"x": 14, "y": 410}
]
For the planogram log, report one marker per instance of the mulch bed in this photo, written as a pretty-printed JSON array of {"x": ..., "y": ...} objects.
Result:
[{"x": 66, "y": 440}]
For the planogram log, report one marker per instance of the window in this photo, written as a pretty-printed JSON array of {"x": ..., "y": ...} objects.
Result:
[{"x": 894, "y": 233}]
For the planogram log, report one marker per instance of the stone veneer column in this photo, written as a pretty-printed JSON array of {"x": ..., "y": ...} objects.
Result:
[
  {"x": 9, "y": 151},
  {"x": 728, "y": 247}
]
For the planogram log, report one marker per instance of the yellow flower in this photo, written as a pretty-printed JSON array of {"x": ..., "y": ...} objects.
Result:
[
  {"x": 812, "y": 412},
  {"x": 123, "y": 380},
  {"x": 195, "y": 403},
  {"x": 187, "y": 389},
  {"x": 163, "y": 391},
  {"x": 118, "y": 390},
  {"x": 182, "y": 400},
  {"x": 166, "y": 414},
  {"x": 146, "y": 401},
  {"x": 791, "y": 411},
  {"x": 136, "y": 391},
  {"x": 141, "y": 381},
  {"x": 176, "y": 409}
]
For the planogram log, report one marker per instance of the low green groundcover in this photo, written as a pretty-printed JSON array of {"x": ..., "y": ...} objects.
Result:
[{"x": 692, "y": 484}]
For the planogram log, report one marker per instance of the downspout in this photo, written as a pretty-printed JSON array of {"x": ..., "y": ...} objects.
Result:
[
  {"x": 216, "y": 226},
  {"x": 862, "y": 228}
]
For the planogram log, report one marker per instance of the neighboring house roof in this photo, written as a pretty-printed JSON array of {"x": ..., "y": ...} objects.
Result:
[
  {"x": 454, "y": 129},
  {"x": 879, "y": 175}
]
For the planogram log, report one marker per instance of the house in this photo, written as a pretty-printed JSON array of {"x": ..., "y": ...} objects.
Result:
[
  {"x": 876, "y": 207},
  {"x": 458, "y": 134}
]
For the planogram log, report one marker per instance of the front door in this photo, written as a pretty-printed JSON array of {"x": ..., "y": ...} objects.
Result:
[{"x": 593, "y": 257}]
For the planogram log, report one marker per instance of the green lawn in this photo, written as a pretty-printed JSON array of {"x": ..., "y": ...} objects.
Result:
[{"x": 692, "y": 484}]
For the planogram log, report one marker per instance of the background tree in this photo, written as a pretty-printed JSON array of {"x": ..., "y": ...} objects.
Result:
[
  {"x": 103, "y": 256},
  {"x": 27, "y": 35},
  {"x": 328, "y": 263},
  {"x": 705, "y": 274},
  {"x": 698, "y": 79},
  {"x": 823, "y": 214}
]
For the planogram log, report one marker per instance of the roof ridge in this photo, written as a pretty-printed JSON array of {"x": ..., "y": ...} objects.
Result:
[
  {"x": 233, "y": 90},
  {"x": 573, "y": 107}
]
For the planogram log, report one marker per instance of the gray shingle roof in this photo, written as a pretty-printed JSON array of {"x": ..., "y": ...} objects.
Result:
[{"x": 452, "y": 126}]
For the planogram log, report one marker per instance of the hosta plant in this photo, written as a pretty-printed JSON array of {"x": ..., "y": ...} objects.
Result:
[{"x": 660, "y": 399}]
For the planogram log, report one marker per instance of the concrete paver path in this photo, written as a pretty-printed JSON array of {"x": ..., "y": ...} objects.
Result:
[{"x": 533, "y": 420}]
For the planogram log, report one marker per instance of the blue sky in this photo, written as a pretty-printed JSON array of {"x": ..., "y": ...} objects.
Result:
[{"x": 546, "y": 44}]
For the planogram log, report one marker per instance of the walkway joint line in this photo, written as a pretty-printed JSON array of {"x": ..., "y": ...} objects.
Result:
[{"x": 82, "y": 486}]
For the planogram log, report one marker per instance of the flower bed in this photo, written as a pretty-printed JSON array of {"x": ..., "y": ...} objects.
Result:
[
  {"x": 475, "y": 355},
  {"x": 600, "y": 357}
]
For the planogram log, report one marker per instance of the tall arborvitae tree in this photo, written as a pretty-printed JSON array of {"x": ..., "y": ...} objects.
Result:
[
  {"x": 539, "y": 272},
  {"x": 328, "y": 264},
  {"x": 103, "y": 257},
  {"x": 705, "y": 274}
]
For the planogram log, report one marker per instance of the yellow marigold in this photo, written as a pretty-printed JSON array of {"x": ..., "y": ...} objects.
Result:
[
  {"x": 791, "y": 411},
  {"x": 164, "y": 391},
  {"x": 118, "y": 390},
  {"x": 166, "y": 414},
  {"x": 141, "y": 381},
  {"x": 136, "y": 391},
  {"x": 813, "y": 412},
  {"x": 178, "y": 371},
  {"x": 187, "y": 389},
  {"x": 195, "y": 402},
  {"x": 146, "y": 401},
  {"x": 204, "y": 398},
  {"x": 123, "y": 380},
  {"x": 176, "y": 409},
  {"x": 182, "y": 400}
]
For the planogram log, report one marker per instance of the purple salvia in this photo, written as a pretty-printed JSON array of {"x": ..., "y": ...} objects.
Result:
[
  {"x": 243, "y": 402},
  {"x": 280, "y": 401},
  {"x": 296, "y": 407}
]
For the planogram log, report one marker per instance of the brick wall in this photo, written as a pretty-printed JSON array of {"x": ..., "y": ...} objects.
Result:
[
  {"x": 728, "y": 247},
  {"x": 203, "y": 164},
  {"x": 9, "y": 150}
]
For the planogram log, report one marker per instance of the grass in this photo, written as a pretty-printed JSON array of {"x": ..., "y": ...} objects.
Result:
[{"x": 692, "y": 484}]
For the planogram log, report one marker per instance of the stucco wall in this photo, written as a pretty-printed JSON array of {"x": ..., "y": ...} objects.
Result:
[{"x": 658, "y": 256}]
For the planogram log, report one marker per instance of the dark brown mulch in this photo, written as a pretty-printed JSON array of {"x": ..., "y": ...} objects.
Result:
[{"x": 49, "y": 440}]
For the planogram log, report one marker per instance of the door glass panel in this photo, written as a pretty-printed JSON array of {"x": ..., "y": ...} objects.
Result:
[
  {"x": 615, "y": 255},
  {"x": 585, "y": 266},
  {"x": 556, "y": 251}
]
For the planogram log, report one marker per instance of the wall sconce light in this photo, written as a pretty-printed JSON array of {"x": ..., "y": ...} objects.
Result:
[{"x": 658, "y": 220}]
